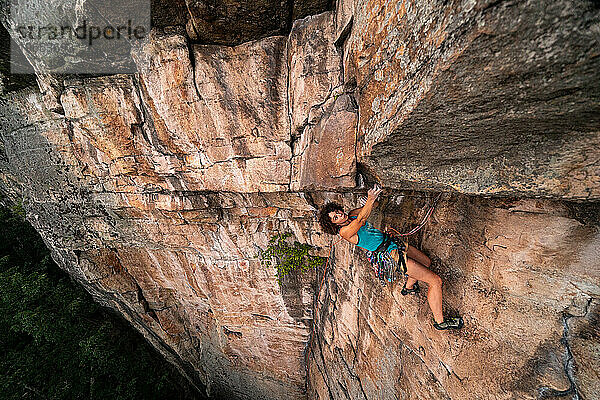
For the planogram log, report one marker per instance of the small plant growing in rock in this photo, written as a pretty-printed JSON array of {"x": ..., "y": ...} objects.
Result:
[{"x": 288, "y": 257}]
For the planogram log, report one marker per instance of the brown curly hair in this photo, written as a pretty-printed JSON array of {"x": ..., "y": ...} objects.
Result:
[{"x": 326, "y": 224}]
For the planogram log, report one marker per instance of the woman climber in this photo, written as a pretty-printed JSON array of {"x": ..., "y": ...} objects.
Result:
[{"x": 388, "y": 255}]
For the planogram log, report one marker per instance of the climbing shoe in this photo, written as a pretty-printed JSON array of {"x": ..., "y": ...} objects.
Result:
[
  {"x": 449, "y": 323},
  {"x": 414, "y": 289}
]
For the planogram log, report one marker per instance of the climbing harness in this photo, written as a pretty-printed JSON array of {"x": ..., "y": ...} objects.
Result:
[{"x": 386, "y": 269}]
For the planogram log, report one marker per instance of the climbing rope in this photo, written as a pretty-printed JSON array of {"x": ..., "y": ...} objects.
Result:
[
  {"x": 411, "y": 232},
  {"x": 422, "y": 224}
]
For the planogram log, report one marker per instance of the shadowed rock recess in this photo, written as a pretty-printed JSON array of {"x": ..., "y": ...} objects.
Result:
[{"x": 156, "y": 190}]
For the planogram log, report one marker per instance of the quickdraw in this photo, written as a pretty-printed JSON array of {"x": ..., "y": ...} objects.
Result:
[{"x": 386, "y": 269}]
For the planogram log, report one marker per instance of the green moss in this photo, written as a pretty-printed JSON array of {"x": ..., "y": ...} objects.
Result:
[{"x": 288, "y": 257}]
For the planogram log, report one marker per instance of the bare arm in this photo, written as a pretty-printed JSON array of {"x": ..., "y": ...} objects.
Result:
[{"x": 350, "y": 230}]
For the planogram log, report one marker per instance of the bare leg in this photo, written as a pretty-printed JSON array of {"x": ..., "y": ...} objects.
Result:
[
  {"x": 417, "y": 271},
  {"x": 417, "y": 255},
  {"x": 410, "y": 282}
]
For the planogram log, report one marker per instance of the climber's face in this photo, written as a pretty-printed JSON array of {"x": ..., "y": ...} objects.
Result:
[{"x": 338, "y": 217}]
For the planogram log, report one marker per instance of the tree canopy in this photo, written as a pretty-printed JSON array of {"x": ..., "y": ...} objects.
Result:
[{"x": 57, "y": 343}]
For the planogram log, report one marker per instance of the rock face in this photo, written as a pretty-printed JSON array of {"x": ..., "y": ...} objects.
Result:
[
  {"x": 479, "y": 97},
  {"x": 206, "y": 123},
  {"x": 522, "y": 273},
  {"x": 156, "y": 191},
  {"x": 231, "y": 22},
  {"x": 322, "y": 117}
]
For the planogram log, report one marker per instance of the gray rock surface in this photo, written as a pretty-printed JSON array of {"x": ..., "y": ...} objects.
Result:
[
  {"x": 156, "y": 190},
  {"x": 479, "y": 97}
]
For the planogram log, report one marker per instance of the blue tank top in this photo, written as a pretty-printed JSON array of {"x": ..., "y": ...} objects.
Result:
[{"x": 369, "y": 237}]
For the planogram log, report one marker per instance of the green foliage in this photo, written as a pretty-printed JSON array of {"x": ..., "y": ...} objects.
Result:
[
  {"x": 57, "y": 343},
  {"x": 289, "y": 257}
]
